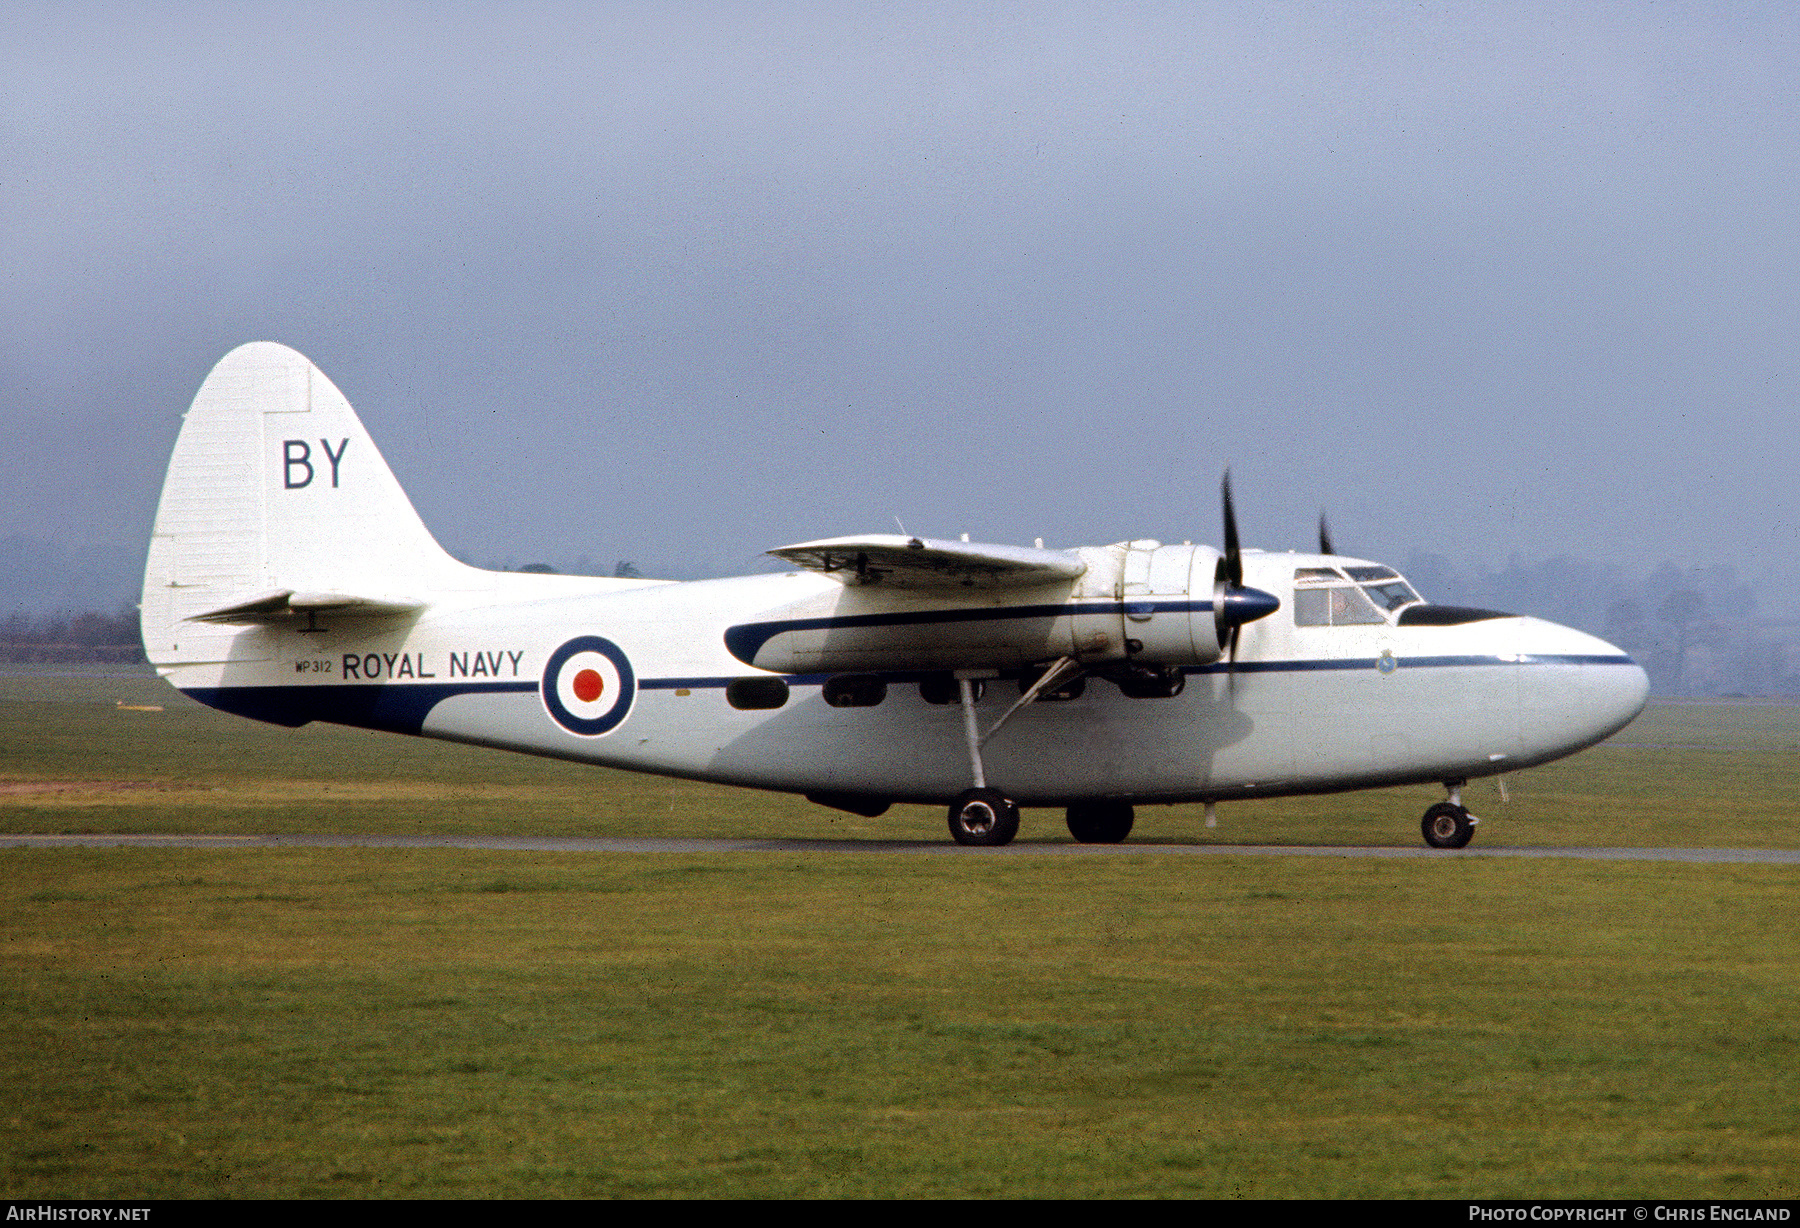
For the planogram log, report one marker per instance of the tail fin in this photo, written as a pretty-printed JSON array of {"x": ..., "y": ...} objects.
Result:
[{"x": 277, "y": 504}]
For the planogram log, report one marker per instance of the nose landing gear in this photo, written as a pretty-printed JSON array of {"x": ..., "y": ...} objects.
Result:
[{"x": 1449, "y": 825}]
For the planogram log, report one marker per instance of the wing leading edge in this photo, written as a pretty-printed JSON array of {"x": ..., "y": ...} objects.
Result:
[{"x": 894, "y": 561}]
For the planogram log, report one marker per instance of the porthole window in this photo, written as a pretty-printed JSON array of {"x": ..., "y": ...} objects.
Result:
[
  {"x": 752, "y": 694},
  {"x": 855, "y": 691},
  {"x": 942, "y": 689}
]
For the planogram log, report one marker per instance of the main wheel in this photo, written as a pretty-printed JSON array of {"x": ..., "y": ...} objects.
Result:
[
  {"x": 984, "y": 817},
  {"x": 1100, "y": 822},
  {"x": 1447, "y": 826}
]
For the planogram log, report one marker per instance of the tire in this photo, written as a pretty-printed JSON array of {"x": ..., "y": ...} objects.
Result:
[
  {"x": 983, "y": 817},
  {"x": 1100, "y": 822},
  {"x": 1446, "y": 826}
]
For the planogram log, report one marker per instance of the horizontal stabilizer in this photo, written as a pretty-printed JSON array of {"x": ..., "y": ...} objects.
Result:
[
  {"x": 919, "y": 563},
  {"x": 284, "y": 605}
]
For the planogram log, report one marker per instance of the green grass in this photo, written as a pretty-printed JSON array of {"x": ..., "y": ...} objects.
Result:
[
  {"x": 371, "y": 1023},
  {"x": 444, "y": 1023}
]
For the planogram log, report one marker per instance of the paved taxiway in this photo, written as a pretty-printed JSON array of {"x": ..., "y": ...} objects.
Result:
[{"x": 584, "y": 844}]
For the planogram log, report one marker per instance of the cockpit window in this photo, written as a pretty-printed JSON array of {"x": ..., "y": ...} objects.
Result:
[
  {"x": 1342, "y": 606},
  {"x": 1312, "y": 607},
  {"x": 1322, "y": 599},
  {"x": 1389, "y": 596},
  {"x": 1350, "y": 607}
]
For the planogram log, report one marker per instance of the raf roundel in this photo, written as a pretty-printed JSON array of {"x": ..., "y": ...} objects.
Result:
[{"x": 588, "y": 686}]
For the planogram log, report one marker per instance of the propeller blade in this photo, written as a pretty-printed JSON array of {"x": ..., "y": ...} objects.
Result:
[
  {"x": 1324, "y": 536},
  {"x": 1233, "y": 561}
]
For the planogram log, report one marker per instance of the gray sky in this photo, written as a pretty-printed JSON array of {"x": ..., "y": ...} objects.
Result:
[{"x": 680, "y": 283}]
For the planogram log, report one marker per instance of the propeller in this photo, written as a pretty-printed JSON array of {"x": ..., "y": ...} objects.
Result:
[
  {"x": 1324, "y": 536},
  {"x": 1234, "y": 604}
]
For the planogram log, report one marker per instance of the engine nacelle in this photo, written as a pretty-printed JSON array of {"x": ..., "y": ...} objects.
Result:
[{"x": 1165, "y": 595}]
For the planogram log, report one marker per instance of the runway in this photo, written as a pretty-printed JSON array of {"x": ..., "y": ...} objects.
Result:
[{"x": 939, "y": 848}]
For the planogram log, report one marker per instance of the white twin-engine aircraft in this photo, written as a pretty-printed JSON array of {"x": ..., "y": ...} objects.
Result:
[{"x": 290, "y": 580}]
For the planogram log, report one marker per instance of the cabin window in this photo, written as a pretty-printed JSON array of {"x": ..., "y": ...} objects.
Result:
[
  {"x": 1316, "y": 575},
  {"x": 855, "y": 691},
  {"x": 752, "y": 694}
]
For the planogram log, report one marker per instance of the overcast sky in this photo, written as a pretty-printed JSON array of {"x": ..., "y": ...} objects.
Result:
[{"x": 679, "y": 283}]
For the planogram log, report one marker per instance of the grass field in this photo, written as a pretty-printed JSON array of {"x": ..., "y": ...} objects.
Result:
[{"x": 357, "y": 1023}]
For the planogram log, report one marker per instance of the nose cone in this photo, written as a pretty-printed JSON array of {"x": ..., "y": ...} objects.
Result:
[{"x": 1575, "y": 690}]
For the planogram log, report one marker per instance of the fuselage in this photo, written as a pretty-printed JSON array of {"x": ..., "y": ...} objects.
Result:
[{"x": 1323, "y": 695}]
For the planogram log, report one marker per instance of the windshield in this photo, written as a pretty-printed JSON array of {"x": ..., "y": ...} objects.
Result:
[
  {"x": 1391, "y": 596},
  {"x": 1341, "y": 606},
  {"x": 1322, "y": 599}
]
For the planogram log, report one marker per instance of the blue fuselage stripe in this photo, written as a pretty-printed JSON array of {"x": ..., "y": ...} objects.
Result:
[
  {"x": 1443, "y": 662},
  {"x": 403, "y": 706}
]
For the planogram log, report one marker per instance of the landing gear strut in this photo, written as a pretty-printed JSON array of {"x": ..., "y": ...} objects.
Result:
[
  {"x": 987, "y": 816},
  {"x": 983, "y": 817},
  {"x": 1449, "y": 825},
  {"x": 979, "y": 816}
]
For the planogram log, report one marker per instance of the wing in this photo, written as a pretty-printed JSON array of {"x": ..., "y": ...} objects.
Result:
[{"x": 900, "y": 562}]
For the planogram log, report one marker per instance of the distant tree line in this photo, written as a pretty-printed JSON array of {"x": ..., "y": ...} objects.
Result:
[
  {"x": 69, "y": 636},
  {"x": 624, "y": 569}
]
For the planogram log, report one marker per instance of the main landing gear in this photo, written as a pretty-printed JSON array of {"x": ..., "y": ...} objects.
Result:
[
  {"x": 983, "y": 817},
  {"x": 989, "y": 817},
  {"x": 1449, "y": 825},
  {"x": 1100, "y": 822},
  {"x": 980, "y": 816}
]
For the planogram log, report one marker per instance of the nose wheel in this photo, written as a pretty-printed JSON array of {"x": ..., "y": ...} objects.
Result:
[
  {"x": 1447, "y": 826},
  {"x": 985, "y": 817}
]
